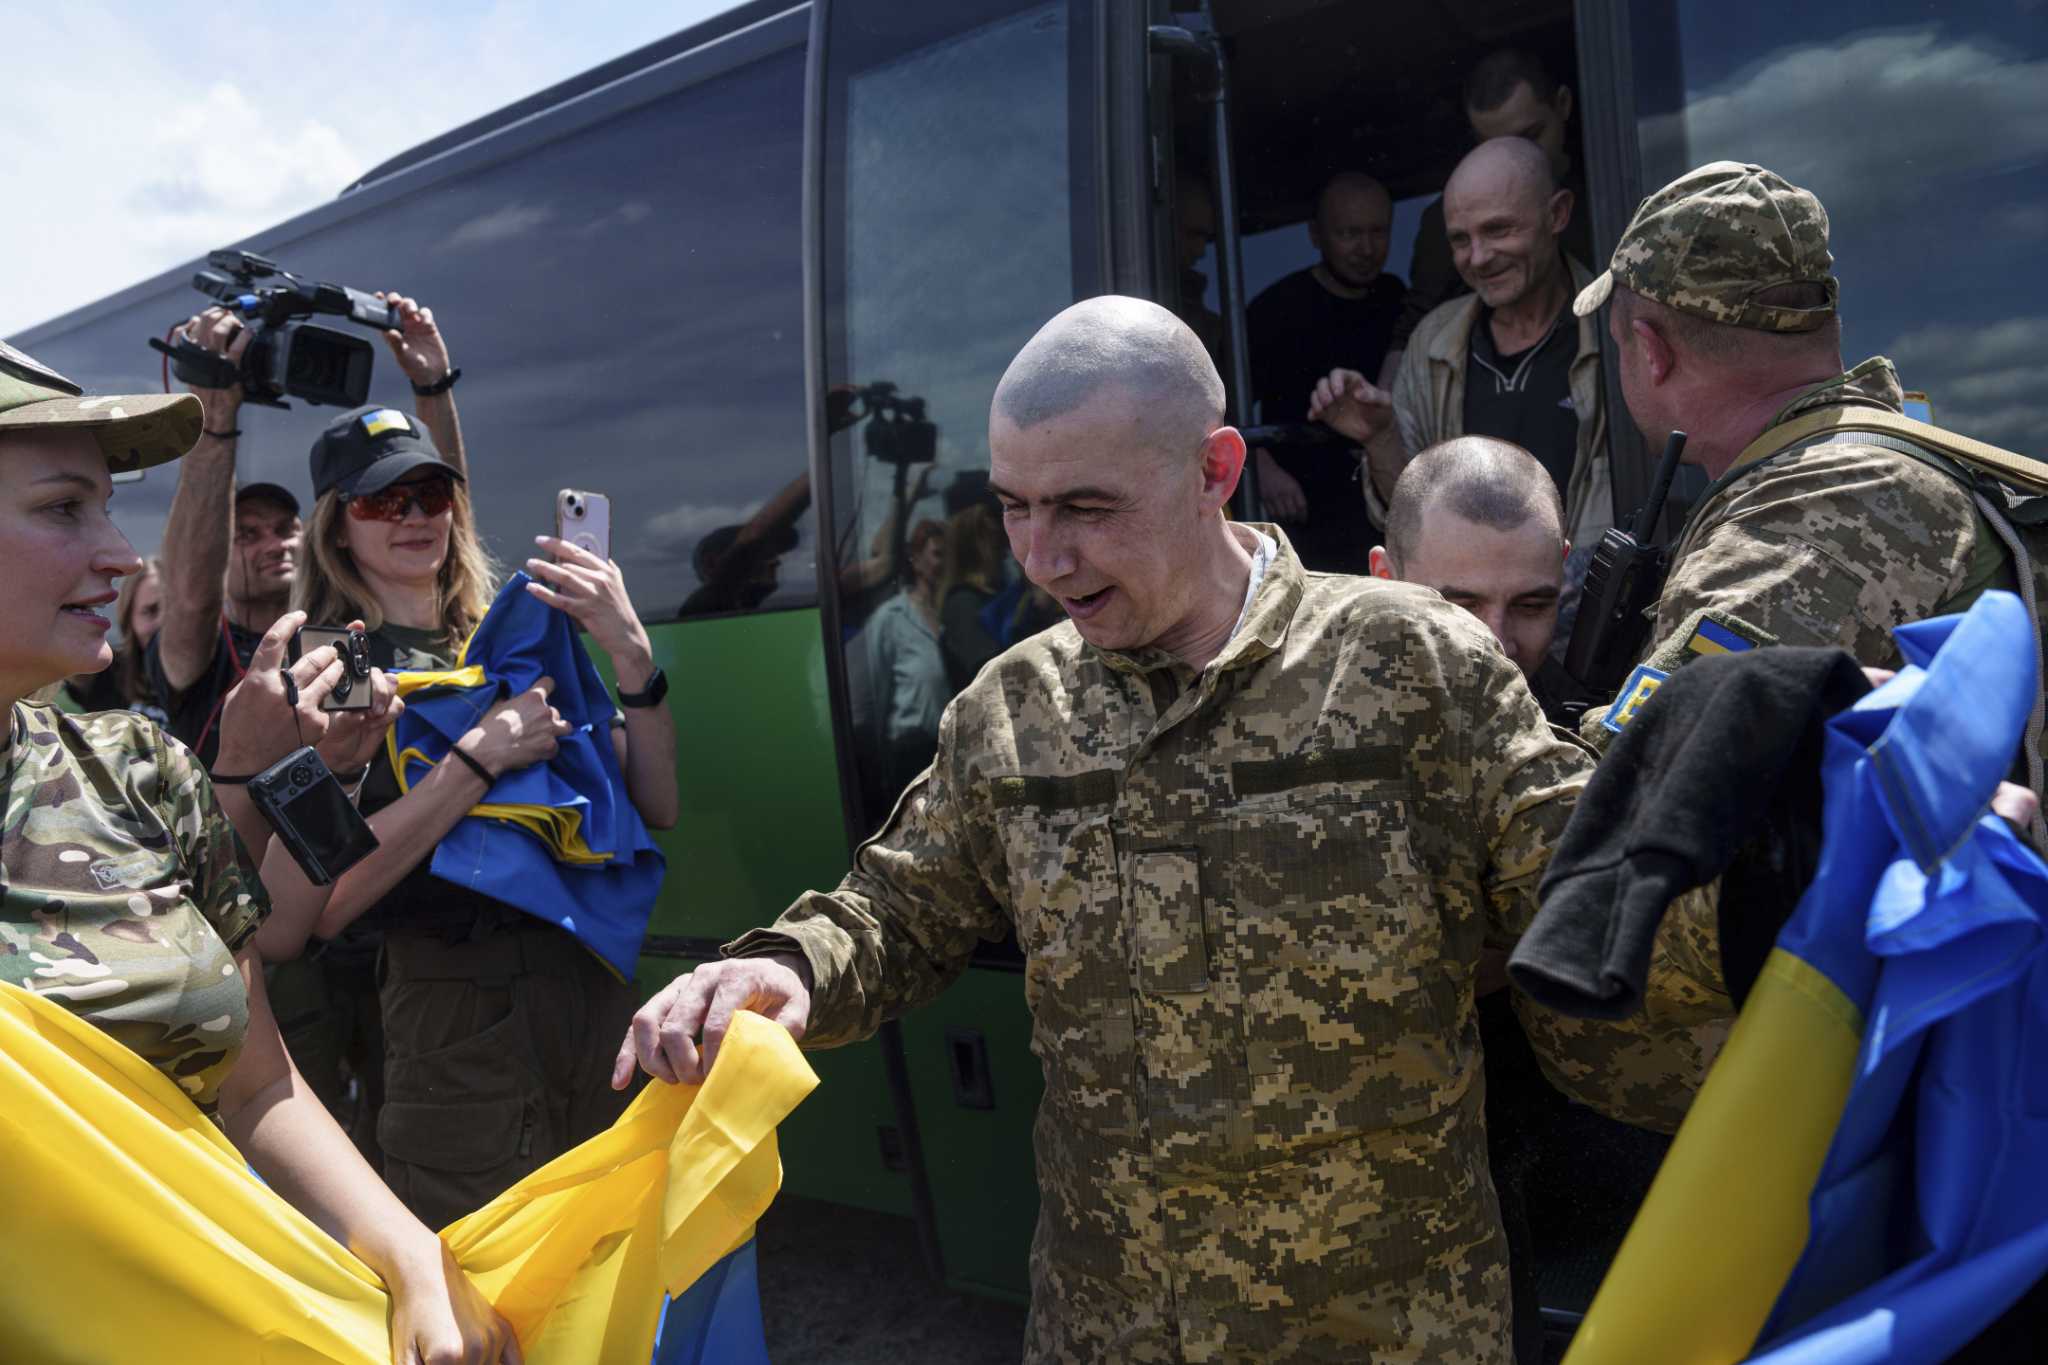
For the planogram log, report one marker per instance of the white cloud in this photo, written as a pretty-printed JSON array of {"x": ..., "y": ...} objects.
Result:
[
  {"x": 1851, "y": 121},
  {"x": 188, "y": 130},
  {"x": 1984, "y": 381}
]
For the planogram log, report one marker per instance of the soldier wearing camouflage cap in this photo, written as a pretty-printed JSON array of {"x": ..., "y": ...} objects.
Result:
[
  {"x": 1721, "y": 299},
  {"x": 126, "y": 896},
  {"x": 1251, "y": 827}
]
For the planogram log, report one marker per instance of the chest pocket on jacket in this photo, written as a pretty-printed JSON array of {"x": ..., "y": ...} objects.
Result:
[{"x": 1351, "y": 1007}]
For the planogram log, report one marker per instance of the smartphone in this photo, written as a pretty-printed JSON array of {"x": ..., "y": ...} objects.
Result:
[
  {"x": 584, "y": 520},
  {"x": 352, "y": 693},
  {"x": 314, "y": 819}
]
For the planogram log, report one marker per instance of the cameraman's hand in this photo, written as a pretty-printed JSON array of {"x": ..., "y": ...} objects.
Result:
[
  {"x": 517, "y": 732},
  {"x": 258, "y": 723},
  {"x": 417, "y": 343},
  {"x": 593, "y": 592},
  {"x": 354, "y": 737},
  {"x": 221, "y": 332}
]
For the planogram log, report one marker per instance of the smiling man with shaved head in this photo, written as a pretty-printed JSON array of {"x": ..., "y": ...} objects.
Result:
[{"x": 1251, "y": 827}]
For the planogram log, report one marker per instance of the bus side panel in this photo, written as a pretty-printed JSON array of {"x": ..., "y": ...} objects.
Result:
[
  {"x": 760, "y": 825},
  {"x": 976, "y": 1086}
]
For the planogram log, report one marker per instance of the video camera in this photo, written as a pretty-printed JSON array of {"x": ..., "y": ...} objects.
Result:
[
  {"x": 286, "y": 355},
  {"x": 899, "y": 433}
]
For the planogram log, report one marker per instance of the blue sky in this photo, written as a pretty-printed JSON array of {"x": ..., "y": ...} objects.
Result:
[{"x": 150, "y": 133}]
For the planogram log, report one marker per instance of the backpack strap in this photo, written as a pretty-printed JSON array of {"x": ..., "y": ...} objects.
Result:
[{"x": 2019, "y": 470}]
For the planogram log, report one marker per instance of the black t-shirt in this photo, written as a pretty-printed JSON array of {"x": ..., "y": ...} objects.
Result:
[
  {"x": 1299, "y": 332},
  {"x": 195, "y": 712},
  {"x": 1526, "y": 397}
]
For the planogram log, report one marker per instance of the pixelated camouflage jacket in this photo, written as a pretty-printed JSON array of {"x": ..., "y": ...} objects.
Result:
[
  {"x": 1251, "y": 901},
  {"x": 1834, "y": 544},
  {"x": 127, "y": 892}
]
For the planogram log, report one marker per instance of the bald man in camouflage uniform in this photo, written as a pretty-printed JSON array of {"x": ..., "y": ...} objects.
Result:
[
  {"x": 1723, "y": 305},
  {"x": 1251, "y": 826}
]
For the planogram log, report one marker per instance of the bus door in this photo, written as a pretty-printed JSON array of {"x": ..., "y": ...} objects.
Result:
[{"x": 956, "y": 205}]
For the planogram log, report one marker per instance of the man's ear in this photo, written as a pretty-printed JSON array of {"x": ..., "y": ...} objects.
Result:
[
  {"x": 1222, "y": 464},
  {"x": 1659, "y": 360},
  {"x": 1562, "y": 103},
  {"x": 1380, "y": 562},
  {"x": 1561, "y": 204},
  {"x": 1567, "y": 550}
]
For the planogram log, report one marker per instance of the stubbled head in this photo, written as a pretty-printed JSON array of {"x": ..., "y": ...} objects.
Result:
[
  {"x": 1480, "y": 521},
  {"x": 1353, "y": 224},
  {"x": 1503, "y": 212},
  {"x": 1109, "y": 457},
  {"x": 1509, "y": 93}
]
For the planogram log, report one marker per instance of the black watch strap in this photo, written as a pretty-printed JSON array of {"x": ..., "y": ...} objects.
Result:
[
  {"x": 441, "y": 385},
  {"x": 650, "y": 695}
]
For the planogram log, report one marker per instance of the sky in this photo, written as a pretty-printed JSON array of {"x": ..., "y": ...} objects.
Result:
[{"x": 144, "y": 135}]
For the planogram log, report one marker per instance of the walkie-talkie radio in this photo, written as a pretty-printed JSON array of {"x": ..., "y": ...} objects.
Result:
[{"x": 1622, "y": 583}]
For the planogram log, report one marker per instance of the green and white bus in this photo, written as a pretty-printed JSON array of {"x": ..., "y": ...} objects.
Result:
[{"x": 663, "y": 278}]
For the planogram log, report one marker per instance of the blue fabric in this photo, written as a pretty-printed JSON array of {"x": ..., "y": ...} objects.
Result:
[
  {"x": 717, "y": 1321},
  {"x": 1930, "y": 1215},
  {"x": 606, "y": 906}
]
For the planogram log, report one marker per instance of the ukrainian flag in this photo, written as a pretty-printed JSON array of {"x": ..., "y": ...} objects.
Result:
[
  {"x": 1862, "y": 1176},
  {"x": 1710, "y": 637}
]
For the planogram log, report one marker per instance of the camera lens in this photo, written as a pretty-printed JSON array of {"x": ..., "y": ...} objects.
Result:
[
  {"x": 575, "y": 505},
  {"x": 302, "y": 775}
]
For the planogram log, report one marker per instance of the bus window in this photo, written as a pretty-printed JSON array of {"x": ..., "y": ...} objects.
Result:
[
  {"x": 951, "y": 199},
  {"x": 1923, "y": 129},
  {"x": 626, "y": 305}
]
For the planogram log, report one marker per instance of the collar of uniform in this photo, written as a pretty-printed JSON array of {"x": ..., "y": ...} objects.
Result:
[
  {"x": 1874, "y": 383},
  {"x": 1265, "y": 622},
  {"x": 1450, "y": 345}
]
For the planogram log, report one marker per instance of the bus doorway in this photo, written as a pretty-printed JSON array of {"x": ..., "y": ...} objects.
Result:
[{"x": 1323, "y": 95}]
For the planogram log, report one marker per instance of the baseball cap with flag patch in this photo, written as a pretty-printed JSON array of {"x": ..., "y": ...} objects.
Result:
[
  {"x": 1713, "y": 242},
  {"x": 367, "y": 450},
  {"x": 134, "y": 431}
]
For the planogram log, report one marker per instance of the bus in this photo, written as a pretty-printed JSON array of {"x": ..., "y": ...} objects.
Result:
[{"x": 757, "y": 282}]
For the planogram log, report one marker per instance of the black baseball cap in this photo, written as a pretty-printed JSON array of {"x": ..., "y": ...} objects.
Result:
[
  {"x": 367, "y": 450},
  {"x": 269, "y": 492}
]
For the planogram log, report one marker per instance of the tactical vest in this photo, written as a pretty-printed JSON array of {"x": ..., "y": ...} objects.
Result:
[{"x": 2011, "y": 495}]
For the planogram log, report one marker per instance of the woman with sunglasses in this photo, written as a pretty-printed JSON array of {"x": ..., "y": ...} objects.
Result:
[
  {"x": 499, "y": 1028},
  {"x": 125, "y": 897}
]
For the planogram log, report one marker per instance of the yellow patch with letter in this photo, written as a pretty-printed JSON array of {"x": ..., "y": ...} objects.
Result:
[{"x": 1640, "y": 687}]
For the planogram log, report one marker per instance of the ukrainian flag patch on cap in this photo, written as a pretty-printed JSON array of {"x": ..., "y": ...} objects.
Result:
[
  {"x": 1641, "y": 685},
  {"x": 1711, "y": 637},
  {"x": 383, "y": 420}
]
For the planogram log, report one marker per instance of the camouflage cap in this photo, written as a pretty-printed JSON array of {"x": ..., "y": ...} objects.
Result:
[
  {"x": 1712, "y": 240},
  {"x": 135, "y": 431}
]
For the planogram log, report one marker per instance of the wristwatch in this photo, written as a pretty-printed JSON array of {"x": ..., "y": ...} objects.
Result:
[{"x": 650, "y": 695}]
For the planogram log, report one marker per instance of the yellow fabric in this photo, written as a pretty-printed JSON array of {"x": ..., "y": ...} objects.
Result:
[
  {"x": 471, "y": 675},
  {"x": 135, "y": 1232},
  {"x": 1725, "y": 1219}
]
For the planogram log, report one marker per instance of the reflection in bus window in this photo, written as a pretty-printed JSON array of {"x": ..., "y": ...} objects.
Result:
[
  {"x": 626, "y": 306},
  {"x": 1924, "y": 130},
  {"x": 956, "y": 247}
]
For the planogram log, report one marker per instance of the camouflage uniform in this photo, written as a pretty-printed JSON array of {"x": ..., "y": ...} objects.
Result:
[
  {"x": 127, "y": 893},
  {"x": 1834, "y": 544},
  {"x": 1251, "y": 901}
]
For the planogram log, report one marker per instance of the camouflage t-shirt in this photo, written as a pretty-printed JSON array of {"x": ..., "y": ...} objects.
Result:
[{"x": 126, "y": 891}]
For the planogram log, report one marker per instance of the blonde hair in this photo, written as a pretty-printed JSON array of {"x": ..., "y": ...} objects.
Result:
[
  {"x": 331, "y": 590},
  {"x": 128, "y": 670}
]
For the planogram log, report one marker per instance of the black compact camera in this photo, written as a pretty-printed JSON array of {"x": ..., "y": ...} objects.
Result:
[
  {"x": 313, "y": 817},
  {"x": 898, "y": 431},
  {"x": 286, "y": 354},
  {"x": 352, "y": 693}
]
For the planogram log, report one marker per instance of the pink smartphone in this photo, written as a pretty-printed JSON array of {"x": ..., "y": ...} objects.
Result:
[{"x": 584, "y": 520}]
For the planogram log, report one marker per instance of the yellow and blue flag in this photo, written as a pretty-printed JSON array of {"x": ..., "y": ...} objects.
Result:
[
  {"x": 1860, "y": 1181},
  {"x": 559, "y": 840}
]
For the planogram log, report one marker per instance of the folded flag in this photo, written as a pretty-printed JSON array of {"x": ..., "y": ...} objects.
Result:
[{"x": 559, "y": 840}]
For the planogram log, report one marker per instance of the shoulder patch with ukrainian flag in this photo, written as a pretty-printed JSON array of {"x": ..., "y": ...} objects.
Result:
[
  {"x": 383, "y": 420},
  {"x": 1712, "y": 637}
]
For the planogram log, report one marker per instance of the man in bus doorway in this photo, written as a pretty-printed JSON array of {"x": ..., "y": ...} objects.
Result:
[
  {"x": 231, "y": 554},
  {"x": 1252, "y": 828},
  {"x": 1508, "y": 360}
]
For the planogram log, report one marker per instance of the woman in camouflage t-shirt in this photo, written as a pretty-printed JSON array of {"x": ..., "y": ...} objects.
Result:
[{"x": 125, "y": 894}]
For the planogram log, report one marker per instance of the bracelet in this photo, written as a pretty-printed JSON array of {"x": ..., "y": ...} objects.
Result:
[
  {"x": 439, "y": 386},
  {"x": 228, "y": 435},
  {"x": 235, "y": 780},
  {"x": 479, "y": 769}
]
